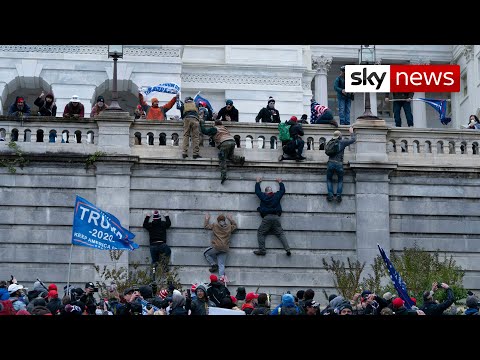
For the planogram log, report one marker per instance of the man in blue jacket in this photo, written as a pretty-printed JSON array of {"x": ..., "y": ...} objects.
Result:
[{"x": 270, "y": 210}]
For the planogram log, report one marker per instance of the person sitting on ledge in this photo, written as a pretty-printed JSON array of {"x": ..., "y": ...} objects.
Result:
[{"x": 320, "y": 114}]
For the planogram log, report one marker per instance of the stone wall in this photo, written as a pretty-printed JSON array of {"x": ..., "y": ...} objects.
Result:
[{"x": 400, "y": 186}]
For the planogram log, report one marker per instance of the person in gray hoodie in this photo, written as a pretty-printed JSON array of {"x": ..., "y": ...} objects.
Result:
[
  {"x": 200, "y": 305},
  {"x": 178, "y": 304}
]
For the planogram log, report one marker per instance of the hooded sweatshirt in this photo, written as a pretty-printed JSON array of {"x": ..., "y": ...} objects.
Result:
[
  {"x": 221, "y": 234},
  {"x": 178, "y": 304},
  {"x": 288, "y": 301},
  {"x": 46, "y": 108},
  {"x": 4, "y": 295}
]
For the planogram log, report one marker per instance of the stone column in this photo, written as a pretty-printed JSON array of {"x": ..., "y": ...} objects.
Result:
[
  {"x": 372, "y": 171},
  {"x": 419, "y": 108},
  {"x": 114, "y": 132},
  {"x": 321, "y": 64},
  {"x": 113, "y": 173},
  {"x": 113, "y": 196}
]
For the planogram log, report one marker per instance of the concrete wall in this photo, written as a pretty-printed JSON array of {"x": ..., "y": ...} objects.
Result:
[{"x": 390, "y": 197}]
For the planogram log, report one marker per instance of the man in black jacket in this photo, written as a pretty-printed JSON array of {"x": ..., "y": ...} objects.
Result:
[
  {"x": 430, "y": 306},
  {"x": 270, "y": 210},
  {"x": 227, "y": 113},
  {"x": 269, "y": 114},
  {"x": 158, "y": 239}
]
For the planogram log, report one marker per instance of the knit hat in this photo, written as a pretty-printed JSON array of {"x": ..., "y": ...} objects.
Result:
[
  {"x": 213, "y": 278},
  {"x": 156, "y": 215},
  {"x": 240, "y": 293},
  {"x": 397, "y": 303},
  {"x": 220, "y": 218},
  {"x": 337, "y": 134},
  {"x": 304, "y": 117},
  {"x": 270, "y": 99},
  {"x": 100, "y": 98},
  {"x": 229, "y": 102},
  {"x": 388, "y": 296},
  {"x": 331, "y": 297},
  {"x": 294, "y": 118},
  {"x": 154, "y": 100},
  {"x": 365, "y": 293},
  {"x": 163, "y": 293},
  {"x": 472, "y": 302}
]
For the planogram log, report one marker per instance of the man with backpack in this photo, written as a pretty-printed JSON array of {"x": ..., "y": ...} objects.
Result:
[
  {"x": 290, "y": 134},
  {"x": 335, "y": 149}
]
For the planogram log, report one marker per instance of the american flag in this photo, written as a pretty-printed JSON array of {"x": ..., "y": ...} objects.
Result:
[{"x": 396, "y": 279}]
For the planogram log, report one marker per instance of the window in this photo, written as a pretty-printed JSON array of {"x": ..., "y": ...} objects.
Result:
[{"x": 464, "y": 85}]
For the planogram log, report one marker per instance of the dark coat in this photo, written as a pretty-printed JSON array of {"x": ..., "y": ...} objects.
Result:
[
  {"x": 269, "y": 204},
  {"x": 157, "y": 228}
]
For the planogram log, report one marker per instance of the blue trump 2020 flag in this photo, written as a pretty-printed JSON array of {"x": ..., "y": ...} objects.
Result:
[
  {"x": 440, "y": 106},
  {"x": 93, "y": 227},
  {"x": 198, "y": 99},
  {"x": 398, "y": 283}
]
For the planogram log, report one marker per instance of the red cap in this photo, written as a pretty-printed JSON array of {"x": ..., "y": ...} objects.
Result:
[
  {"x": 397, "y": 303},
  {"x": 20, "y": 99},
  {"x": 250, "y": 296},
  {"x": 52, "y": 287},
  {"x": 194, "y": 287},
  {"x": 294, "y": 118},
  {"x": 213, "y": 278},
  {"x": 52, "y": 294}
]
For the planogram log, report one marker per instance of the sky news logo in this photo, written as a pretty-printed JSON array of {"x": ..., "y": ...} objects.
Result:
[{"x": 402, "y": 78}]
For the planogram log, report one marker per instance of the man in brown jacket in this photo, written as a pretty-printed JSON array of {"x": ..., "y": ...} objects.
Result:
[
  {"x": 225, "y": 142},
  {"x": 217, "y": 253}
]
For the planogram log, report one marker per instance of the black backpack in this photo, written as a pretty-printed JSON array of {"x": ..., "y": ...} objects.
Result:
[
  {"x": 332, "y": 147},
  {"x": 291, "y": 310}
]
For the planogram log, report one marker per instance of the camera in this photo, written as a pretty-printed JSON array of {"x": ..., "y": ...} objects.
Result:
[{"x": 95, "y": 289}]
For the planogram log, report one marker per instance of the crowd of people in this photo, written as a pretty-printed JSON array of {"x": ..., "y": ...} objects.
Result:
[{"x": 204, "y": 298}]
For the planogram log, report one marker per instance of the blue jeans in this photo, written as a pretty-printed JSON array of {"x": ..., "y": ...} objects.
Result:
[
  {"x": 215, "y": 257},
  {"x": 331, "y": 168},
  {"x": 344, "y": 105},
  {"x": 407, "y": 107},
  {"x": 157, "y": 250}
]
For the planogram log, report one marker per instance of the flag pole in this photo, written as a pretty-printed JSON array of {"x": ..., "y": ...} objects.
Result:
[
  {"x": 416, "y": 99},
  {"x": 69, "y": 268}
]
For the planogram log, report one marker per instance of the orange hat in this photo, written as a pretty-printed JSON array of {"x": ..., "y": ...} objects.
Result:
[{"x": 154, "y": 100}]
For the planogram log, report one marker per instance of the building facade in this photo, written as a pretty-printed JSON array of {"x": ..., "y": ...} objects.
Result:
[{"x": 247, "y": 74}]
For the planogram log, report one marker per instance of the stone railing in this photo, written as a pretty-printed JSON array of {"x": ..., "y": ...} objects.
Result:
[
  {"x": 48, "y": 129},
  {"x": 434, "y": 147},
  {"x": 120, "y": 133}
]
